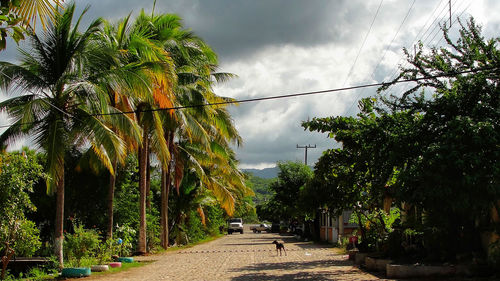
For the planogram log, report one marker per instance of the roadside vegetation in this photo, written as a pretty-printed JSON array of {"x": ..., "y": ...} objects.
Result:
[
  {"x": 122, "y": 173},
  {"x": 419, "y": 167},
  {"x": 127, "y": 162}
]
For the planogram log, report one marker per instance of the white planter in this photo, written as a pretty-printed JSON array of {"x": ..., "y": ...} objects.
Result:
[{"x": 99, "y": 268}]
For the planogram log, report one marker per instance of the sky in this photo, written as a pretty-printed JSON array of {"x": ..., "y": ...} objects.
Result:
[{"x": 280, "y": 47}]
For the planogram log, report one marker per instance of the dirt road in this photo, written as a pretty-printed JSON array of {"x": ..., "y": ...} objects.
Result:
[{"x": 249, "y": 256}]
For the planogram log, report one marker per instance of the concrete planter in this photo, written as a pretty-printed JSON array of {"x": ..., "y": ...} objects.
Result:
[
  {"x": 375, "y": 264},
  {"x": 413, "y": 271},
  {"x": 99, "y": 268},
  {"x": 353, "y": 253},
  {"x": 359, "y": 258}
]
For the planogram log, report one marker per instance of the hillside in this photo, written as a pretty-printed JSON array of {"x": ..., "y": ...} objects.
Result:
[
  {"x": 267, "y": 173},
  {"x": 260, "y": 186}
]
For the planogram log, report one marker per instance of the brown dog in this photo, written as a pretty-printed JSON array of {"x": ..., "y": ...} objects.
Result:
[{"x": 279, "y": 246}]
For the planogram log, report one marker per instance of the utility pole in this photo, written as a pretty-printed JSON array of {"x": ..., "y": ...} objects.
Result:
[{"x": 306, "y": 147}]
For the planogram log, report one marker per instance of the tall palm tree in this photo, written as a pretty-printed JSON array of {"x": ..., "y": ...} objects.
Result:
[
  {"x": 56, "y": 80},
  {"x": 161, "y": 75},
  {"x": 135, "y": 65}
]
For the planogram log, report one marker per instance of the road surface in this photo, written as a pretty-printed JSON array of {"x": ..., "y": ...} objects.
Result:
[{"x": 249, "y": 256}]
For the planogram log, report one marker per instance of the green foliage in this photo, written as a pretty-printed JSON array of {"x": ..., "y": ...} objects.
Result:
[
  {"x": 27, "y": 240},
  {"x": 245, "y": 209},
  {"x": 129, "y": 238},
  {"x": 494, "y": 254},
  {"x": 18, "y": 174},
  {"x": 434, "y": 147},
  {"x": 285, "y": 203},
  {"x": 105, "y": 250},
  {"x": 153, "y": 229},
  {"x": 214, "y": 216},
  {"x": 195, "y": 230},
  {"x": 10, "y": 22},
  {"x": 126, "y": 203},
  {"x": 80, "y": 244},
  {"x": 261, "y": 188}
]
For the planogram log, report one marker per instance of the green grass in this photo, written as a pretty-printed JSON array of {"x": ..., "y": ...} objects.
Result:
[{"x": 124, "y": 267}]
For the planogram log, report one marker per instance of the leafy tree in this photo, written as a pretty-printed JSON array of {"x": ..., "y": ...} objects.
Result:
[
  {"x": 18, "y": 174},
  {"x": 285, "y": 203},
  {"x": 433, "y": 148},
  {"x": 453, "y": 172}
]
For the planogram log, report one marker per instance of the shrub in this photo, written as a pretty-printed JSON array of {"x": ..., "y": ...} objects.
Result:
[
  {"x": 195, "y": 229},
  {"x": 214, "y": 219},
  {"x": 80, "y": 244},
  {"x": 127, "y": 234},
  {"x": 494, "y": 255},
  {"x": 153, "y": 230}
]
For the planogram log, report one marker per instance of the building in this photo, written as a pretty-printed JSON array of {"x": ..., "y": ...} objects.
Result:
[{"x": 331, "y": 226}]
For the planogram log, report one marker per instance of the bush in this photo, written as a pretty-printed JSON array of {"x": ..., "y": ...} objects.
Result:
[
  {"x": 80, "y": 244},
  {"x": 195, "y": 230},
  {"x": 494, "y": 255},
  {"x": 104, "y": 251},
  {"x": 153, "y": 230},
  {"x": 128, "y": 237},
  {"x": 214, "y": 219},
  {"x": 27, "y": 239}
]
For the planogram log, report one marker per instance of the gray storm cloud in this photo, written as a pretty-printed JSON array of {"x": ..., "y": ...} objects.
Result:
[{"x": 287, "y": 46}]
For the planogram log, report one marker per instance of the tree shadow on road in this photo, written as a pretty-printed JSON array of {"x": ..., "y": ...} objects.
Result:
[
  {"x": 322, "y": 271},
  {"x": 294, "y": 265}
]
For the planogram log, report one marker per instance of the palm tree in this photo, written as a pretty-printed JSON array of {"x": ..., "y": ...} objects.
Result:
[
  {"x": 58, "y": 101},
  {"x": 160, "y": 73},
  {"x": 133, "y": 65}
]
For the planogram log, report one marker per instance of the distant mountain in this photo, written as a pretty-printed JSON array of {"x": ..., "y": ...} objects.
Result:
[{"x": 267, "y": 173}]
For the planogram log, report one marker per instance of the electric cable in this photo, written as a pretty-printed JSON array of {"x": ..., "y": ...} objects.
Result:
[
  {"x": 447, "y": 74},
  {"x": 384, "y": 53}
]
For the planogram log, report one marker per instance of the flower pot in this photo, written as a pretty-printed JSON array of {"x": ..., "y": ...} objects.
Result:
[
  {"x": 115, "y": 264},
  {"x": 126, "y": 259},
  {"x": 99, "y": 268},
  {"x": 75, "y": 272}
]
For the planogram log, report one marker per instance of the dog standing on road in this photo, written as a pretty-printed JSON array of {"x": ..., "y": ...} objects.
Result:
[{"x": 279, "y": 247}]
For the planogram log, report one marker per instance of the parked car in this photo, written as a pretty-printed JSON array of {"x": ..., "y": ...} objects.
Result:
[
  {"x": 260, "y": 228},
  {"x": 235, "y": 225}
]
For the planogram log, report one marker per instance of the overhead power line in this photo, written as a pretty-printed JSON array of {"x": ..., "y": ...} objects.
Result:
[
  {"x": 384, "y": 53},
  {"x": 363, "y": 44},
  {"x": 301, "y": 94},
  {"x": 285, "y": 96}
]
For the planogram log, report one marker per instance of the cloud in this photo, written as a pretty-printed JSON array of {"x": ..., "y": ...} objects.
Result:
[{"x": 289, "y": 46}]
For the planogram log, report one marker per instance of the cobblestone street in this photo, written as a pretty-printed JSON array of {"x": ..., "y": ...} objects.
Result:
[{"x": 248, "y": 256}]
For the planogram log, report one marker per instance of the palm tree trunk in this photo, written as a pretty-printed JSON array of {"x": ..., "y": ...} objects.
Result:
[
  {"x": 59, "y": 226},
  {"x": 111, "y": 195},
  {"x": 148, "y": 181},
  {"x": 165, "y": 191},
  {"x": 143, "y": 151}
]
